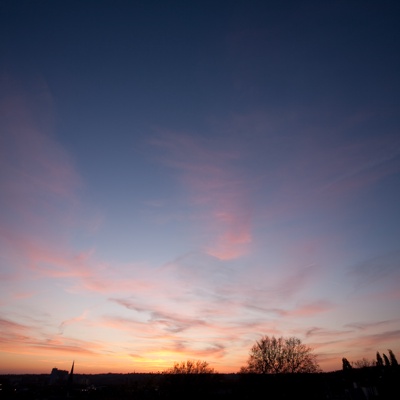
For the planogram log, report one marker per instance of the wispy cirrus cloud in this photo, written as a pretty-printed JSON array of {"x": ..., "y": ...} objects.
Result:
[
  {"x": 71, "y": 321},
  {"x": 70, "y": 346},
  {"x": 356, "y": 339},
  {"x": 262, "y": 287},
  {"x": 192, "y": 350},
  {"x": 310, "y": 309},
  {"x": 81, "y": 271},
  {"x": 363, "y": 326},
  {"x": 325, "y": 333},
  {"x": 39, "y": 185},
  {"x": 375, "y": 269},
  {"x": 373, "y": 342},
  {"x": 20, "y": 338},
  {"x": 155, "y": 336},
  {"x": 11, "y": 329},
  {"x": 41, "y": 210},
  {"x": 215, "y": 187},
  {"x": 166, "y": 321},
  {"x": 39, "y": 180},
  {"x": 321, "y": 167}
]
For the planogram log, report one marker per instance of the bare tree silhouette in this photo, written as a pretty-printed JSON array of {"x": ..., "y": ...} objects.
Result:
[{"x": 272, "y": 355}]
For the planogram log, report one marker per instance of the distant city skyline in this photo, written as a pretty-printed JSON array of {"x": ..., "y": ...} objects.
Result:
[{"x": 178, "y": 179}]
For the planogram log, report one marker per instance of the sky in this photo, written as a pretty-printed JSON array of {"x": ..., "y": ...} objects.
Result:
[{"x": 180, "y": 178}]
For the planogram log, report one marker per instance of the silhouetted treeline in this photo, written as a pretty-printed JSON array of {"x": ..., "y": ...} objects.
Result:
[{"x": 370, "y": 383}]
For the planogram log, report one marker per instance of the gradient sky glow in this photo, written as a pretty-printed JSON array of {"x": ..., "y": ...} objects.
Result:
[{"x": 179, "y": 178}]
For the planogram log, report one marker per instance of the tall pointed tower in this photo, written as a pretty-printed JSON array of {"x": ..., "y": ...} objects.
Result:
[{"x": 71, "y": 374}]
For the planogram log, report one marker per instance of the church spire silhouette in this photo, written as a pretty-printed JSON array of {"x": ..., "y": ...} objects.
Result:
[{"x": 71, "y": 374}]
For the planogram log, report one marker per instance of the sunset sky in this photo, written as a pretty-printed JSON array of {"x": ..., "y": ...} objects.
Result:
[{"x": 180, "y": 178}]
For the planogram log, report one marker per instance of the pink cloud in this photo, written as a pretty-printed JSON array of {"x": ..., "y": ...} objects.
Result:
[
  {"x": 11, "y": 328},
  {"x": 72, "y": 321},
  {"x": 67, "y": 345},
  {"x": 46, "y": 259},
  {"x": 38, "y": 175},
  {"x": 310, "y": 309},
  {"x": 235, "y": 237},
  {"x": 307, "y": 310},
  {"x": 374, "y": 342},
  {"x": 19, "y": 338},
  {"x": 80, "y": 271},
  {"x": 186, "y": 351},
  {"x": 161, "y": 320},
  {"x": 39, "y": 188},
  {"x": 216, "y": 187},
  {"x": 352, "y": 344}
]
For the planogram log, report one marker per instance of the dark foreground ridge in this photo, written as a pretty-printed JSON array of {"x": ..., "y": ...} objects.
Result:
[{"x": 370, "y": 383}]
